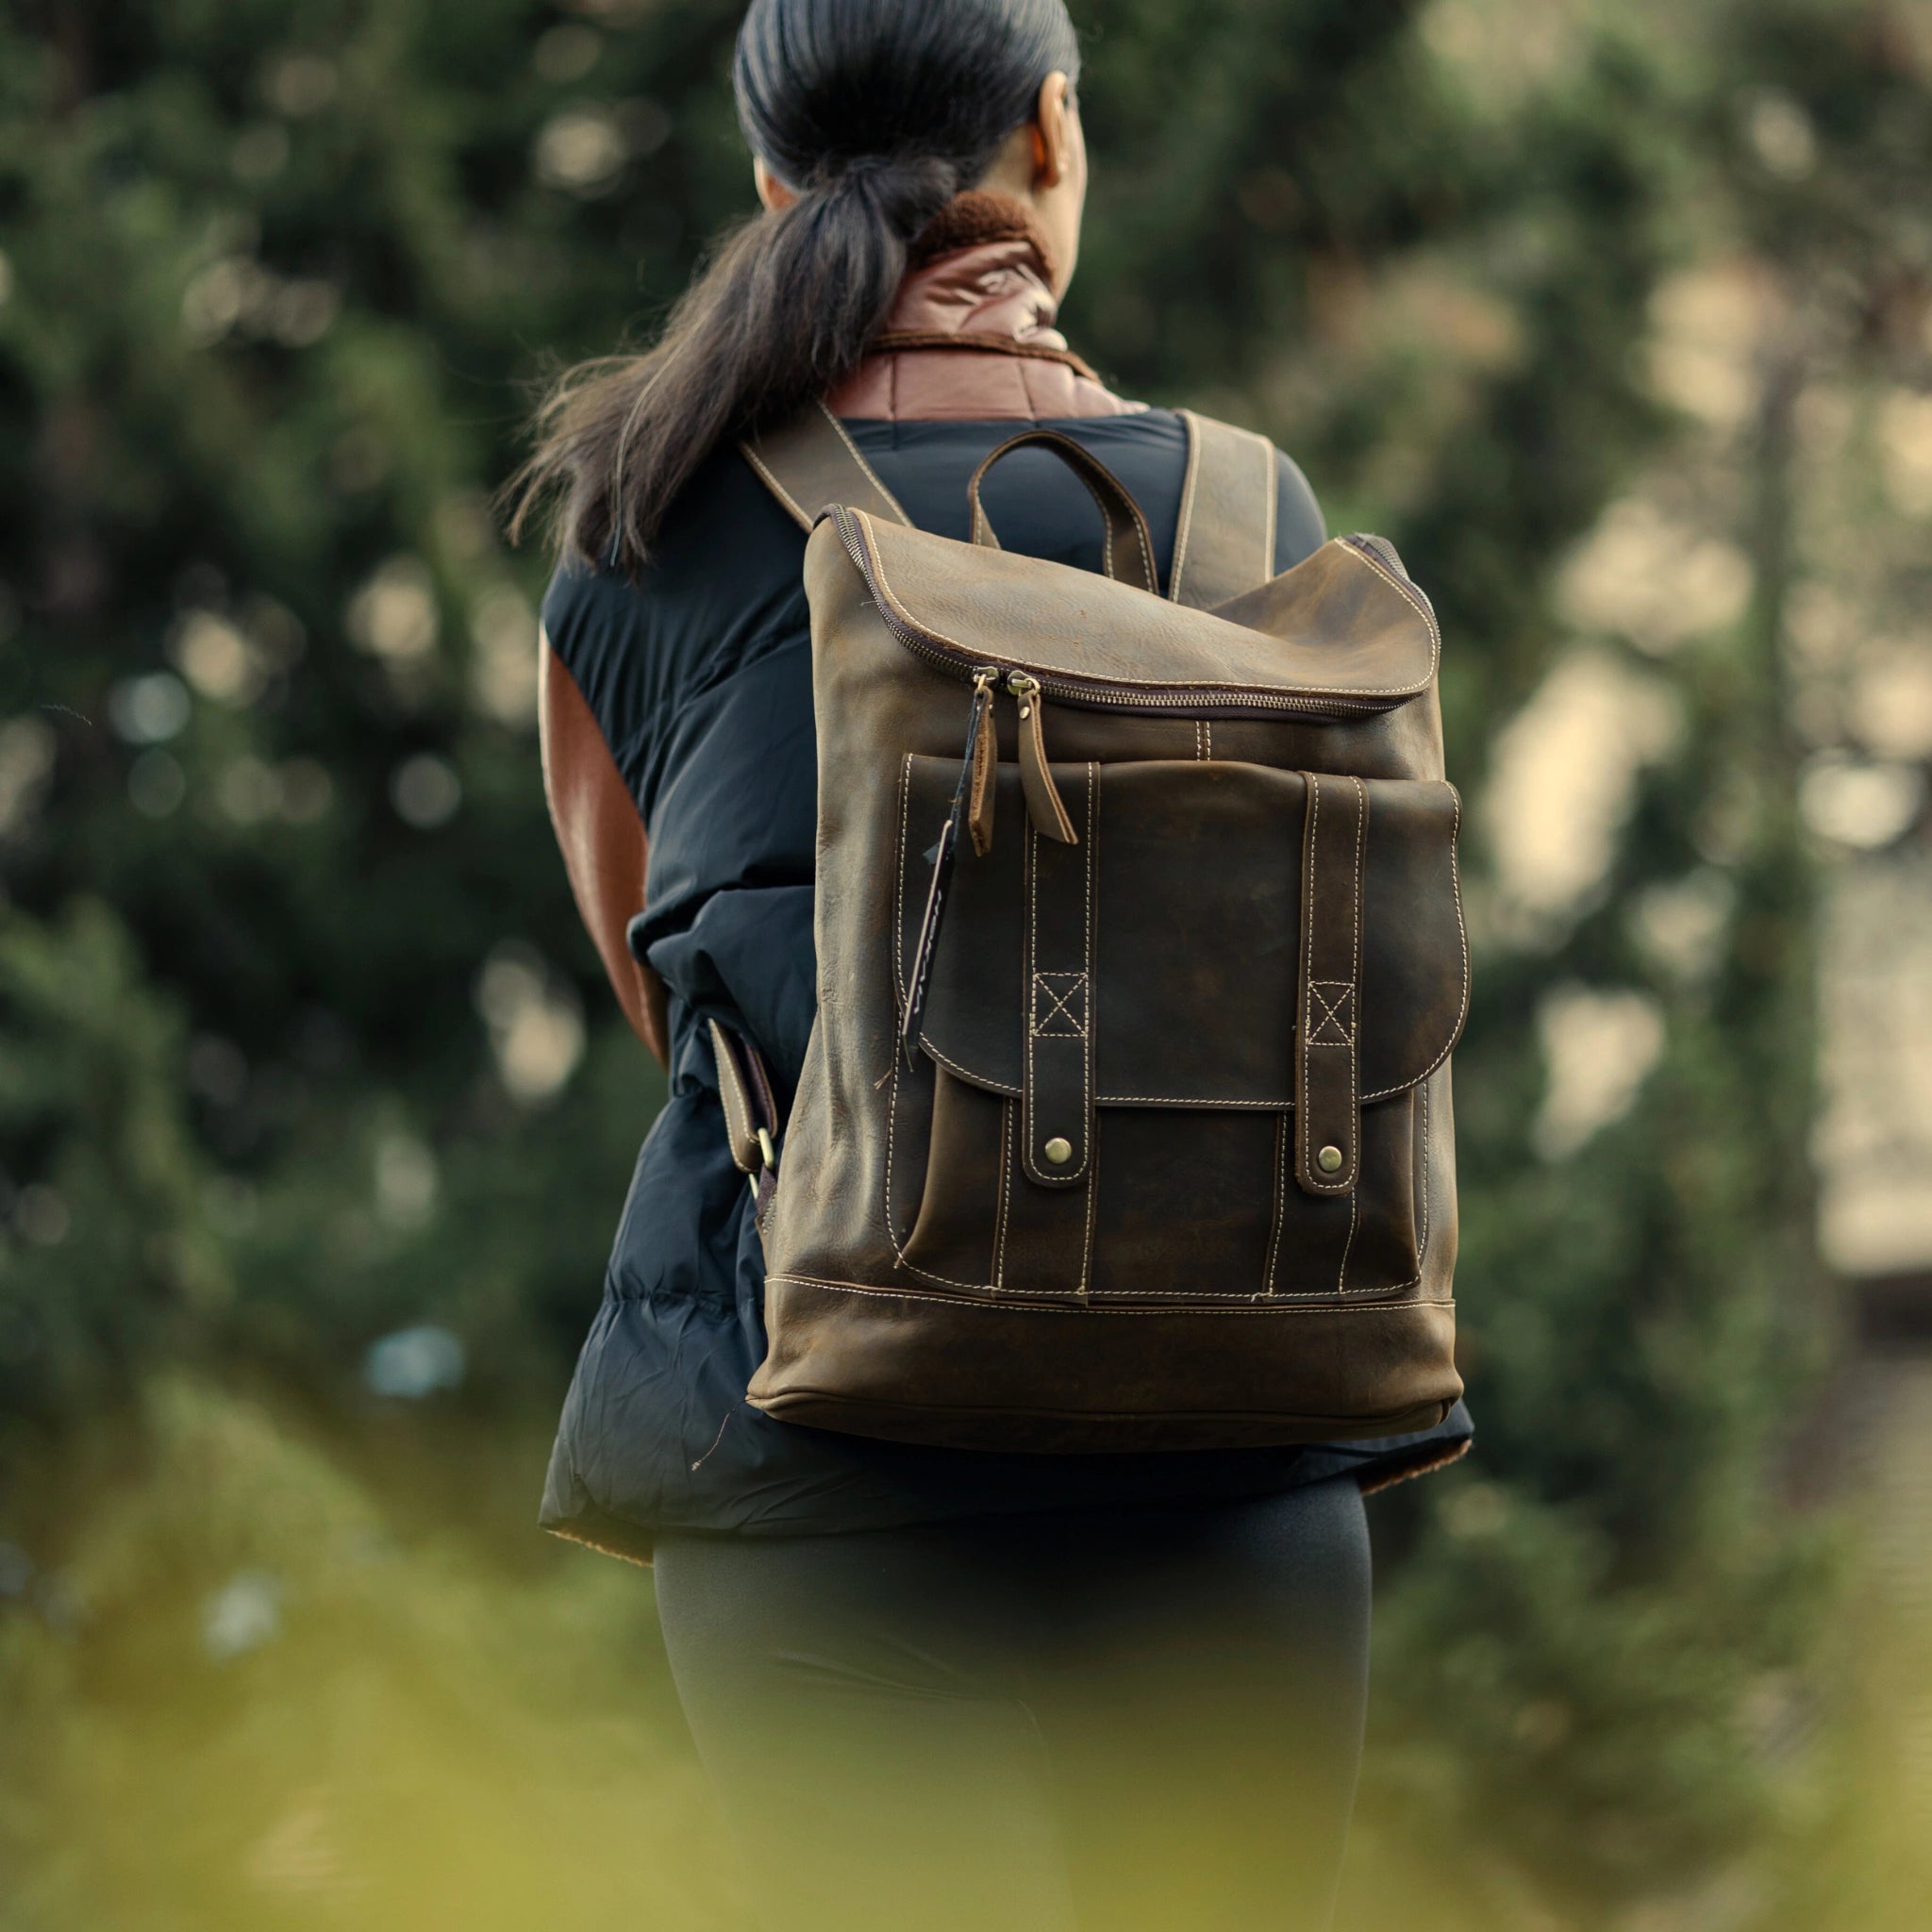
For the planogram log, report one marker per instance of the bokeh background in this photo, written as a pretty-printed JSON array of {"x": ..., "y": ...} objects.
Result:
[{"x": 315, "y": 1115}]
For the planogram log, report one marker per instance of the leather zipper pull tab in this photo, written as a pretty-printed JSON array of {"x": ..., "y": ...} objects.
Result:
[
  {"x": 982, "y": 759},
  {"x": 1044, "y": 805}
]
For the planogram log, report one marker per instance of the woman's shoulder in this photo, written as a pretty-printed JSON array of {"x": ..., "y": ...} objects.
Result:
[{"x": 722, "y": 582}]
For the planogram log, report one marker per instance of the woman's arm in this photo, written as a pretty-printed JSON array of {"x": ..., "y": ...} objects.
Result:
[{"x": 603, "y": 839}]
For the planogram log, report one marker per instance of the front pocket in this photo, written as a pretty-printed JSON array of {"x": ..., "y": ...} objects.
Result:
[
  {"x": 954, "y": 1239},
  {"x": 1167, "y": 1016}
]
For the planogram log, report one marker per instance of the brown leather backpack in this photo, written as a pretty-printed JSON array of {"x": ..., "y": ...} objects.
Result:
[{"x": 1125, "y": 1120}]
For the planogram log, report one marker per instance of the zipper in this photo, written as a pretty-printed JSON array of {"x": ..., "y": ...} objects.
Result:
[
  {"x": 970, "y": 812},
  {"x": 1228, "y": 701}
]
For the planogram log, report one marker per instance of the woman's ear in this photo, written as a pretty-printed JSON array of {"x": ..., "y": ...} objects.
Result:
[
  {"x": 1053, "y": 134},
  {"x": 771, "y": 191}
]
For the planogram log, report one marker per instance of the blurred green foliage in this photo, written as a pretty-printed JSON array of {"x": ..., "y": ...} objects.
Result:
[{"x": 301, "y": 1046}]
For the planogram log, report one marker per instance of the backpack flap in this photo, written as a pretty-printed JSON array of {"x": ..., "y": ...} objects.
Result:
[
  {"x": 1224, "y": 936},
  {"x": 1343, "y": 633}
]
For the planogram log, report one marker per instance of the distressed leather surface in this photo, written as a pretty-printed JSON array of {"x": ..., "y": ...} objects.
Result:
[
  {"x": 1225, "y": 543},
  {"x": 811, "y": 462},
  {"x": 1198, "y": 1010},
  {"x": 1127, "y": 555},
  {"x": 1141, "y": 995},
  {"x": 1337, "y": 625},
  {"x": 1330, "y": 1002}
]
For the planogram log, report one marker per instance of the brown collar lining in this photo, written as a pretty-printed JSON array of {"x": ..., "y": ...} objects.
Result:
[
  {"x": 982, "y": 340},
  {"x": 975, "y": 217}
]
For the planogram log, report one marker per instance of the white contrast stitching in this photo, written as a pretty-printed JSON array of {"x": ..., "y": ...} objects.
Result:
[
  {"x": 871, "y": 475},
  {"x": 1171, "y": 1100},
  {"x": 1087, "y": 937},
  {"x": 1343, "y": 1182},
  {"x": 891, "y": 1232},
  {"x": 981, "y": 1079},
  {"x": 1334, "y": 1010},
  {"x": 1272, "y": 487},
  {"x": 1089, "y": 1126},
  {"x": 1422, "y": 1253},
  {"x": 899, "y": 895},
  {"x": 1249, "y": 1304},
  {"x": 965, "y": 1074},
  {"x": 1030, "y": 860},
  {"x": 1033, "y": 976},
  {"x": 1061, "y": 1007},
  {"x": 999, "y": 1220},
  {"x": 1355, "y": 977},
  {"x": 1314, "y": 791},
  {"x": 1092, "y": 1196},
  {"x": 1279, "y": 1207},
  {"x": 1462, "y": 932},
  {"x": 1184, "y": 522},
  {"x": 1282, "y": 1105},
  {"x": 1107, "y": 538},
  {"x": 1038, "y": 662},
  {"x": 1421, "y": 608}
]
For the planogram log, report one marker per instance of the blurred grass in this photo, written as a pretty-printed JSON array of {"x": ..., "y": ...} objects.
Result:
[
  {"x": 257, "y": 1696},
  {"x": 264, "y": 1690}
]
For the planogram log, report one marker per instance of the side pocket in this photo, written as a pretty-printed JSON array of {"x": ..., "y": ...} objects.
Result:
[
  {"x": 956, "y": 1237},
  {"x": 1385, "y": 1251}
]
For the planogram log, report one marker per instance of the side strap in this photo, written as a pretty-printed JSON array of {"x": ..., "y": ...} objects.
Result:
[
  {"x": 1327, "y": 1086},
  {"x": 1224, "y": 543},
  {"x": 750, "y": 1115},
  {"x": 811, "y": 462}
]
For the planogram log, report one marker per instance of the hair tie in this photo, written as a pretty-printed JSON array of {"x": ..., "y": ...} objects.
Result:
[{"x": 906, "y": 190}]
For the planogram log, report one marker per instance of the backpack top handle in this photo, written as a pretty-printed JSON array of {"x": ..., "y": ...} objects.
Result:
[{"x": 1129, "y": 555}]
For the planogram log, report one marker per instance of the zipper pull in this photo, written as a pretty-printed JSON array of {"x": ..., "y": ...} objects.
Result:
[
  {"x": 982, "y": 762},
  {"x": 1044, "y": 805}
]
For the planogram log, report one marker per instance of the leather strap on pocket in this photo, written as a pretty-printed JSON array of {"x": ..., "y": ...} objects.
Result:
[
  {"x": 1056, "y": 1129},
  {"x": 1327, "y": 1126}
]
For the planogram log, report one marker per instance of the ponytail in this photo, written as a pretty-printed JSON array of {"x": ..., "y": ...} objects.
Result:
[{"x": 881, "y": 114}]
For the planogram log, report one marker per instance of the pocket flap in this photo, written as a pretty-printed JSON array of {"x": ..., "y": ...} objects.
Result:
[{"x": 1197, "y": 884}]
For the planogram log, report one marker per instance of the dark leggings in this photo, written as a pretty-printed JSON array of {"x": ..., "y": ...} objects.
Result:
[{"x": 1101, "y": 1719}]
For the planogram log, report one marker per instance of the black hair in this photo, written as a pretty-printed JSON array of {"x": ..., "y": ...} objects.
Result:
[{"x": 875, "y": 113}]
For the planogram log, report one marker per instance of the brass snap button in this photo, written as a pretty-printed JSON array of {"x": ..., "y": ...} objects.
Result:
[
  {"x": 1060, "y": 1150},
  {"x": 1329, "y": 1160}
]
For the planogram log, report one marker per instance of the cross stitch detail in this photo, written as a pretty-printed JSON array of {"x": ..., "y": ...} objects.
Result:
[
  {"x": 1331, "y": 1012},
  {"x": 1059, "y": 1006}
]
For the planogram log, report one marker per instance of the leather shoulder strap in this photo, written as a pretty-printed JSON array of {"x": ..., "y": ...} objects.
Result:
[
  {"x": 1224, "y": 543},
  {"x": 811, "y": 462}
]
